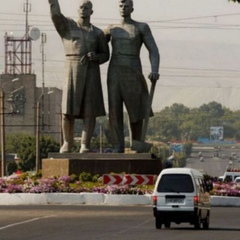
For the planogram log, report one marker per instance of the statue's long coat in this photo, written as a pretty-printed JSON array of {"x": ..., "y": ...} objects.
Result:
[{"x": 82, "y": 90}]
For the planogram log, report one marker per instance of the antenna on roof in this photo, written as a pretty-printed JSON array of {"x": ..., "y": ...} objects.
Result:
[{"x": 27, "y": 8}]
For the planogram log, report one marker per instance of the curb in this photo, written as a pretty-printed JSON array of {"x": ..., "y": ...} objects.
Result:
[
  {"x": 73, "y": 198},
  {"x": 95, "y": 199},
  {"x": 225, "y": 201}
]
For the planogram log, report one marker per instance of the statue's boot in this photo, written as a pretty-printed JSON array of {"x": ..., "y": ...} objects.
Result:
[
  {"x": 68, "y": 132},
  {"x": 136, "y": 129},
  {"x": 87, "y": 133},
  {"x": 117, "y": 135}
]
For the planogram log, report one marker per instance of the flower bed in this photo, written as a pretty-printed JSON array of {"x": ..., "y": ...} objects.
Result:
[
  {"x": 226, "y": 189},
  {"x": 18, "y": 184}
]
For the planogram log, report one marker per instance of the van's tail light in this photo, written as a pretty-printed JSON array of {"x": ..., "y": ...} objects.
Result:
[
  {"x": 154, "y": 198},
  {"x": 195, "y": 199}
]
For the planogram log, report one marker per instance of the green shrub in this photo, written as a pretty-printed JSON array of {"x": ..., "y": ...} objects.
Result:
[
  {"x": 85, "y": 177},
  {"x": 73, "y": 178},
  {"x": 95, "y": 178}
]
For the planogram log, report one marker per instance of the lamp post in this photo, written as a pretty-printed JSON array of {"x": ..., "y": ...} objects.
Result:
[
  {"x": 38, "y": 137},
  {"x": 101, "y": 134},
  {"x": 2, "y": 112},
  {"x": 38, "y": 131},
  {"x": 60, "y": 124}
]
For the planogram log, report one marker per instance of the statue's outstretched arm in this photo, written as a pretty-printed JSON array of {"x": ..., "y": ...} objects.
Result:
[
  {"x": 54, "y": 7},
  {"x": 60, "y": 22}
]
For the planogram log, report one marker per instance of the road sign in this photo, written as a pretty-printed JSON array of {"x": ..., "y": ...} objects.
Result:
[{"x": 128, "y": 179}]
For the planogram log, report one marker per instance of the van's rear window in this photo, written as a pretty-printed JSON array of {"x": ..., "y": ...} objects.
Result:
[{"x": 175, "y": 183}]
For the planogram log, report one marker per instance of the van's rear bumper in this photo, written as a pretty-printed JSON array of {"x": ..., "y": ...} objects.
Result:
[{"x": 176, "y": 216}]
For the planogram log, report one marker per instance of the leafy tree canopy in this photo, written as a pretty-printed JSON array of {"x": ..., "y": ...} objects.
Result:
[
  {"x": 179, "y": 122},
  {"x": 24, "y": 145}
]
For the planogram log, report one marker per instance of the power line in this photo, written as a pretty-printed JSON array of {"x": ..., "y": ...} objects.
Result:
[
  {"x": 203, "y": 69},
  {"x": 175, "y": 21},
  {"x": 199, "y": 17},
  {"x": 197, "y": 76},
  {"x": 166, "y": 68}
]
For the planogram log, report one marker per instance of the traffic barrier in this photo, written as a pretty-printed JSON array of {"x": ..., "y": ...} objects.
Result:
[{"x": 128, "y": 179}]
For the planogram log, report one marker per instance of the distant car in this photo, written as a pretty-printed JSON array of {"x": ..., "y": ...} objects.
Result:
[
  {"x": 108, "y": 150},
  {"x": 237, "y": 180},
  {"x": 220, "y": 178},
  {"x": 230, "y": 176}
]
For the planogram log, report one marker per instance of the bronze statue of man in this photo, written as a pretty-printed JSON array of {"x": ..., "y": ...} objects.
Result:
[
  {"x": 85, "y": 49},
  {"x": 126, "y": 83}
]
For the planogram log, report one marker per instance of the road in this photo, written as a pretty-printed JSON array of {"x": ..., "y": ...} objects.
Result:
[
  {"x": 212, "y": 165},
  {"x": 107, "y": 223}
]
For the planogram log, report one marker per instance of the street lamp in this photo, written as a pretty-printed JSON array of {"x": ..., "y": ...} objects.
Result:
[
  {"x": 101, "y": 134},
  {"x": 2, "y": 112},
  {"x": 60, "y": 124},
  {"x": 38, "y": 131}
]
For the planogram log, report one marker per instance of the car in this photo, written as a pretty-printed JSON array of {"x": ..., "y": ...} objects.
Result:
[
  {"x": 220, "y": 178},
  {"x": 181, "y": 195},
  {"x": 237, "y": 180},
  {"x": 230, "y": 175}
]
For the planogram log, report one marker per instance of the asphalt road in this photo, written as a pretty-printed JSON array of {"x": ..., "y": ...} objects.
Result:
[
  {"x": 107, "y": 223},
  {"x": 212, "y": 165}
]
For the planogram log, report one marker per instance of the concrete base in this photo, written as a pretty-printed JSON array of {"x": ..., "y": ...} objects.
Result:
[
  {"x": 58, "y": 164},
  {"x": 96, "y": 199}
]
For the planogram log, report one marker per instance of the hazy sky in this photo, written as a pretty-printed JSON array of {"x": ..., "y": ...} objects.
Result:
[{"x": 199, "y": 43}]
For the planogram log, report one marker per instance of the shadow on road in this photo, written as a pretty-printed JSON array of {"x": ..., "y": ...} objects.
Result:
[{"x": 210, "y": 229}]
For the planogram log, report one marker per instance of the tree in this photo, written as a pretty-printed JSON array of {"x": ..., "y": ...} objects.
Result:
[
  {"x": 234, "y": 1},
  {"x": 178, "y": 122},
  {"x": 213, "y": 109},
  {"x": 24, "y": 145},
  {"x": 12, "y": 167}
]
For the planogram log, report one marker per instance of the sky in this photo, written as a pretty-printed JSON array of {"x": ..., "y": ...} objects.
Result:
[{"x": 198, "y": 43}]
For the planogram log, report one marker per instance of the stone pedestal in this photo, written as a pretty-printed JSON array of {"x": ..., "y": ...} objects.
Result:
[{"x": 58, "y": 164}]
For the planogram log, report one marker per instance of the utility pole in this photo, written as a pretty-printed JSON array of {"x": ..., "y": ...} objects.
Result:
[
  {"x": 27, "y": 9},
  {"x": 2, "y": 123},
  {"x": 3, "y": 156},
  {"x": 38, "y": 154},
  {"x": 43, "y": 41}
]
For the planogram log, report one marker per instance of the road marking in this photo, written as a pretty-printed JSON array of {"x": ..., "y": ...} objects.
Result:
[
  {"x": 27, "y": 221},
  {"x": 135, "y": 227}
]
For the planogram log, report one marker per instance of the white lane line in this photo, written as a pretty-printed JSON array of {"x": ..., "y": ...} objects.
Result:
[
  {"x": 27, "y": 221},
  {"x": 135, "y": 227}
]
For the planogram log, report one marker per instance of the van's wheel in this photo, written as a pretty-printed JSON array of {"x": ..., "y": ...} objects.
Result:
[
  {"x": 206, "y": 222},
  {"x": 167, "y": 224},
  {"x": 158, "y": 223},
  {"x": 197, "y": 223}
]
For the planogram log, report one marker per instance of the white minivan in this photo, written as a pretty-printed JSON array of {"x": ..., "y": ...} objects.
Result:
[
  {"x": 181, "y": 195},
  {"x": 230, "y": 176}
]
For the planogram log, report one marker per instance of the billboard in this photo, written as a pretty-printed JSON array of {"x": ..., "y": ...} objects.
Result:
[
  {"x": 216, "y": 133},
  {"x": 177, "y": 147}
]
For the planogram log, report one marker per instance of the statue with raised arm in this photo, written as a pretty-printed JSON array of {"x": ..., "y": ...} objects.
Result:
[
  {"x": 85, "y": 49},
  {"x": 126, "y": 83}
]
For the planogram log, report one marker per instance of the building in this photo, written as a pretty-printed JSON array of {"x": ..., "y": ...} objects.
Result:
[{"x": 21, "y": 98}]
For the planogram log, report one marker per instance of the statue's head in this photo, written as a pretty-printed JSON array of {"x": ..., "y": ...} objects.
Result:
[
  {"x": 125, "y": 7},
  {"x": 88, "y": 2},
  {"x": 85, "y": 8},
  {"x": 127, "y": 1}
]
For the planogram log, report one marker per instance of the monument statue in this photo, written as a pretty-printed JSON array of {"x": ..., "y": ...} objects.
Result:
[
  {"x": 126, "y": 83},
  {"x": 85, "y": 49}
]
